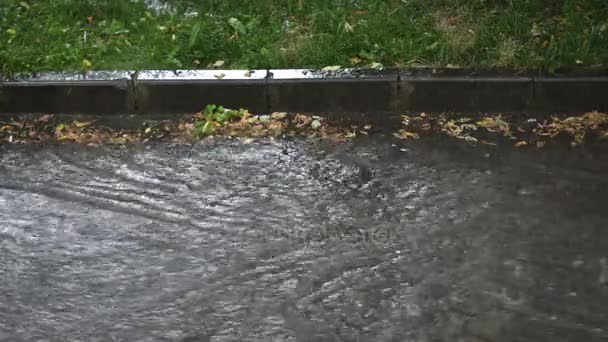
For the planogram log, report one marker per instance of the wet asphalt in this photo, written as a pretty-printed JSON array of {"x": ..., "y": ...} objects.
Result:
[{"x": 429, "y": 240}]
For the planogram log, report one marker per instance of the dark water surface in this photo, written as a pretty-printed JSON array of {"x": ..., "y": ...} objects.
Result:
[{"x": 277, "y": 241}]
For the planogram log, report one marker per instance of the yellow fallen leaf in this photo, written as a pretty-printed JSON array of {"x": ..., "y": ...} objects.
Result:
[
  {"x": 350, "y": 135},
  {"x": 86, "y": 64},
  {"x": 248, "y": 74},
  {"x": 521, "y": 144},
  {"x": 6, "y": 128},
  {"x": 81, "y": 124},
  {"x": 278, "y": 115},
  {"x": 331, "y": 68},
  {"x": 220, "y": 76},
  {"x": 376, "y": 65},
  {"x": 348, "y": 27},
  {"x": 406, "y": 135},
  {"x": 356, "y": 60}
]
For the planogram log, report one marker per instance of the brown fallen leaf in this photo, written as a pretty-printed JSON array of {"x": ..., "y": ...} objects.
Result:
[
  {"x": 45, "y": 118},
  {"x": 302, "y": 120}
]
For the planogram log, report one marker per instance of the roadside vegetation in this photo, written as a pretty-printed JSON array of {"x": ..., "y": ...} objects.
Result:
[{"x": 40, "y": 35}]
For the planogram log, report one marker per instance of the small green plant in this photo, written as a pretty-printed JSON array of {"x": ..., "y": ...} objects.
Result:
[
  {"x": 215, "y": 116},
  {"x": 203, "y": 129}
]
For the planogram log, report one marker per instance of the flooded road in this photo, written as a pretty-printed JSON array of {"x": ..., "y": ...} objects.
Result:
[{"x": 291, "y": 241}]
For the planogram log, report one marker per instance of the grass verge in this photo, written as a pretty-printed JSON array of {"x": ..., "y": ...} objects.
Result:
[{"x": 38, "y": 35}]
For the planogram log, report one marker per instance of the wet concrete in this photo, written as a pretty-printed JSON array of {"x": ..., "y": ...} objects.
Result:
[{"x": 290, "y": 241}]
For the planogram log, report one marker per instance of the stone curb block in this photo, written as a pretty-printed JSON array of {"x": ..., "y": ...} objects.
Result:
[
  {"x": 303, "y": 90},
  {"x": 93, "y": 93},
  {"x": 160, "y": 92}
]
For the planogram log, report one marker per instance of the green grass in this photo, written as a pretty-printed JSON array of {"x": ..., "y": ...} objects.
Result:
[{"x": 40, "y": 35}]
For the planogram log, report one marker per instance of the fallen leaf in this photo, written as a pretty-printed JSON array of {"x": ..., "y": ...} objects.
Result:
[
  {"x": 218, "y": 64},
  {"x": 315, "y": 124},
  {"x": 356, "y": 60},
  {"x": 45, "y": 118},
  {"x": 521, "y": 144},
  {"x": 331, "y": 68},
  {"x": 403, "y": 134},
  {"x": 302, "y": 120},
  {"x": 118, "y": 141},
  {"x": 248, "y": 74},
  {"x": 86, "y": 64},
  {"x": 25, "y": 5},
  {"x": 579, "y": 62},
  {"x": 535, "y": 30},
  {"x": 540, "y": 144},
  {"x": 348, "y": 27},
  {"x": 82, "y": 124},
  {"x": 376, "y": 65},
  {"x": 367, "y": 127},
  {"x": 264, "y": 118},
  {"x": 278, "y": 115},
  {"x": 220, "y": 76},
  {"x": 6, "y": 128}
]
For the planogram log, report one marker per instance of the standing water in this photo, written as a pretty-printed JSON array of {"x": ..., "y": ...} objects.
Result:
[{"x": 292, "y": 241}]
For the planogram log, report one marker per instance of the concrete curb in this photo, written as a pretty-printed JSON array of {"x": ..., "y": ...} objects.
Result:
[{"x": 303, "y": 90}]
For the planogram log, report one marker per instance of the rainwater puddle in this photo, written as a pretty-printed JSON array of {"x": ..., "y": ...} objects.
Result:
[{"x": 290, "y": 241}]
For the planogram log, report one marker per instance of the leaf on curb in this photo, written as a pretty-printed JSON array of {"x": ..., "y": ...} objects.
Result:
[
  {"x": 376, "y": 65},
  {"x": 220, "y": 76},
  {"x": 331, "y": 68}
]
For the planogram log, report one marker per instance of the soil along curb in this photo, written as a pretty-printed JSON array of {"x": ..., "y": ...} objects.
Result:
[{"x": 311, "y": 91}]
